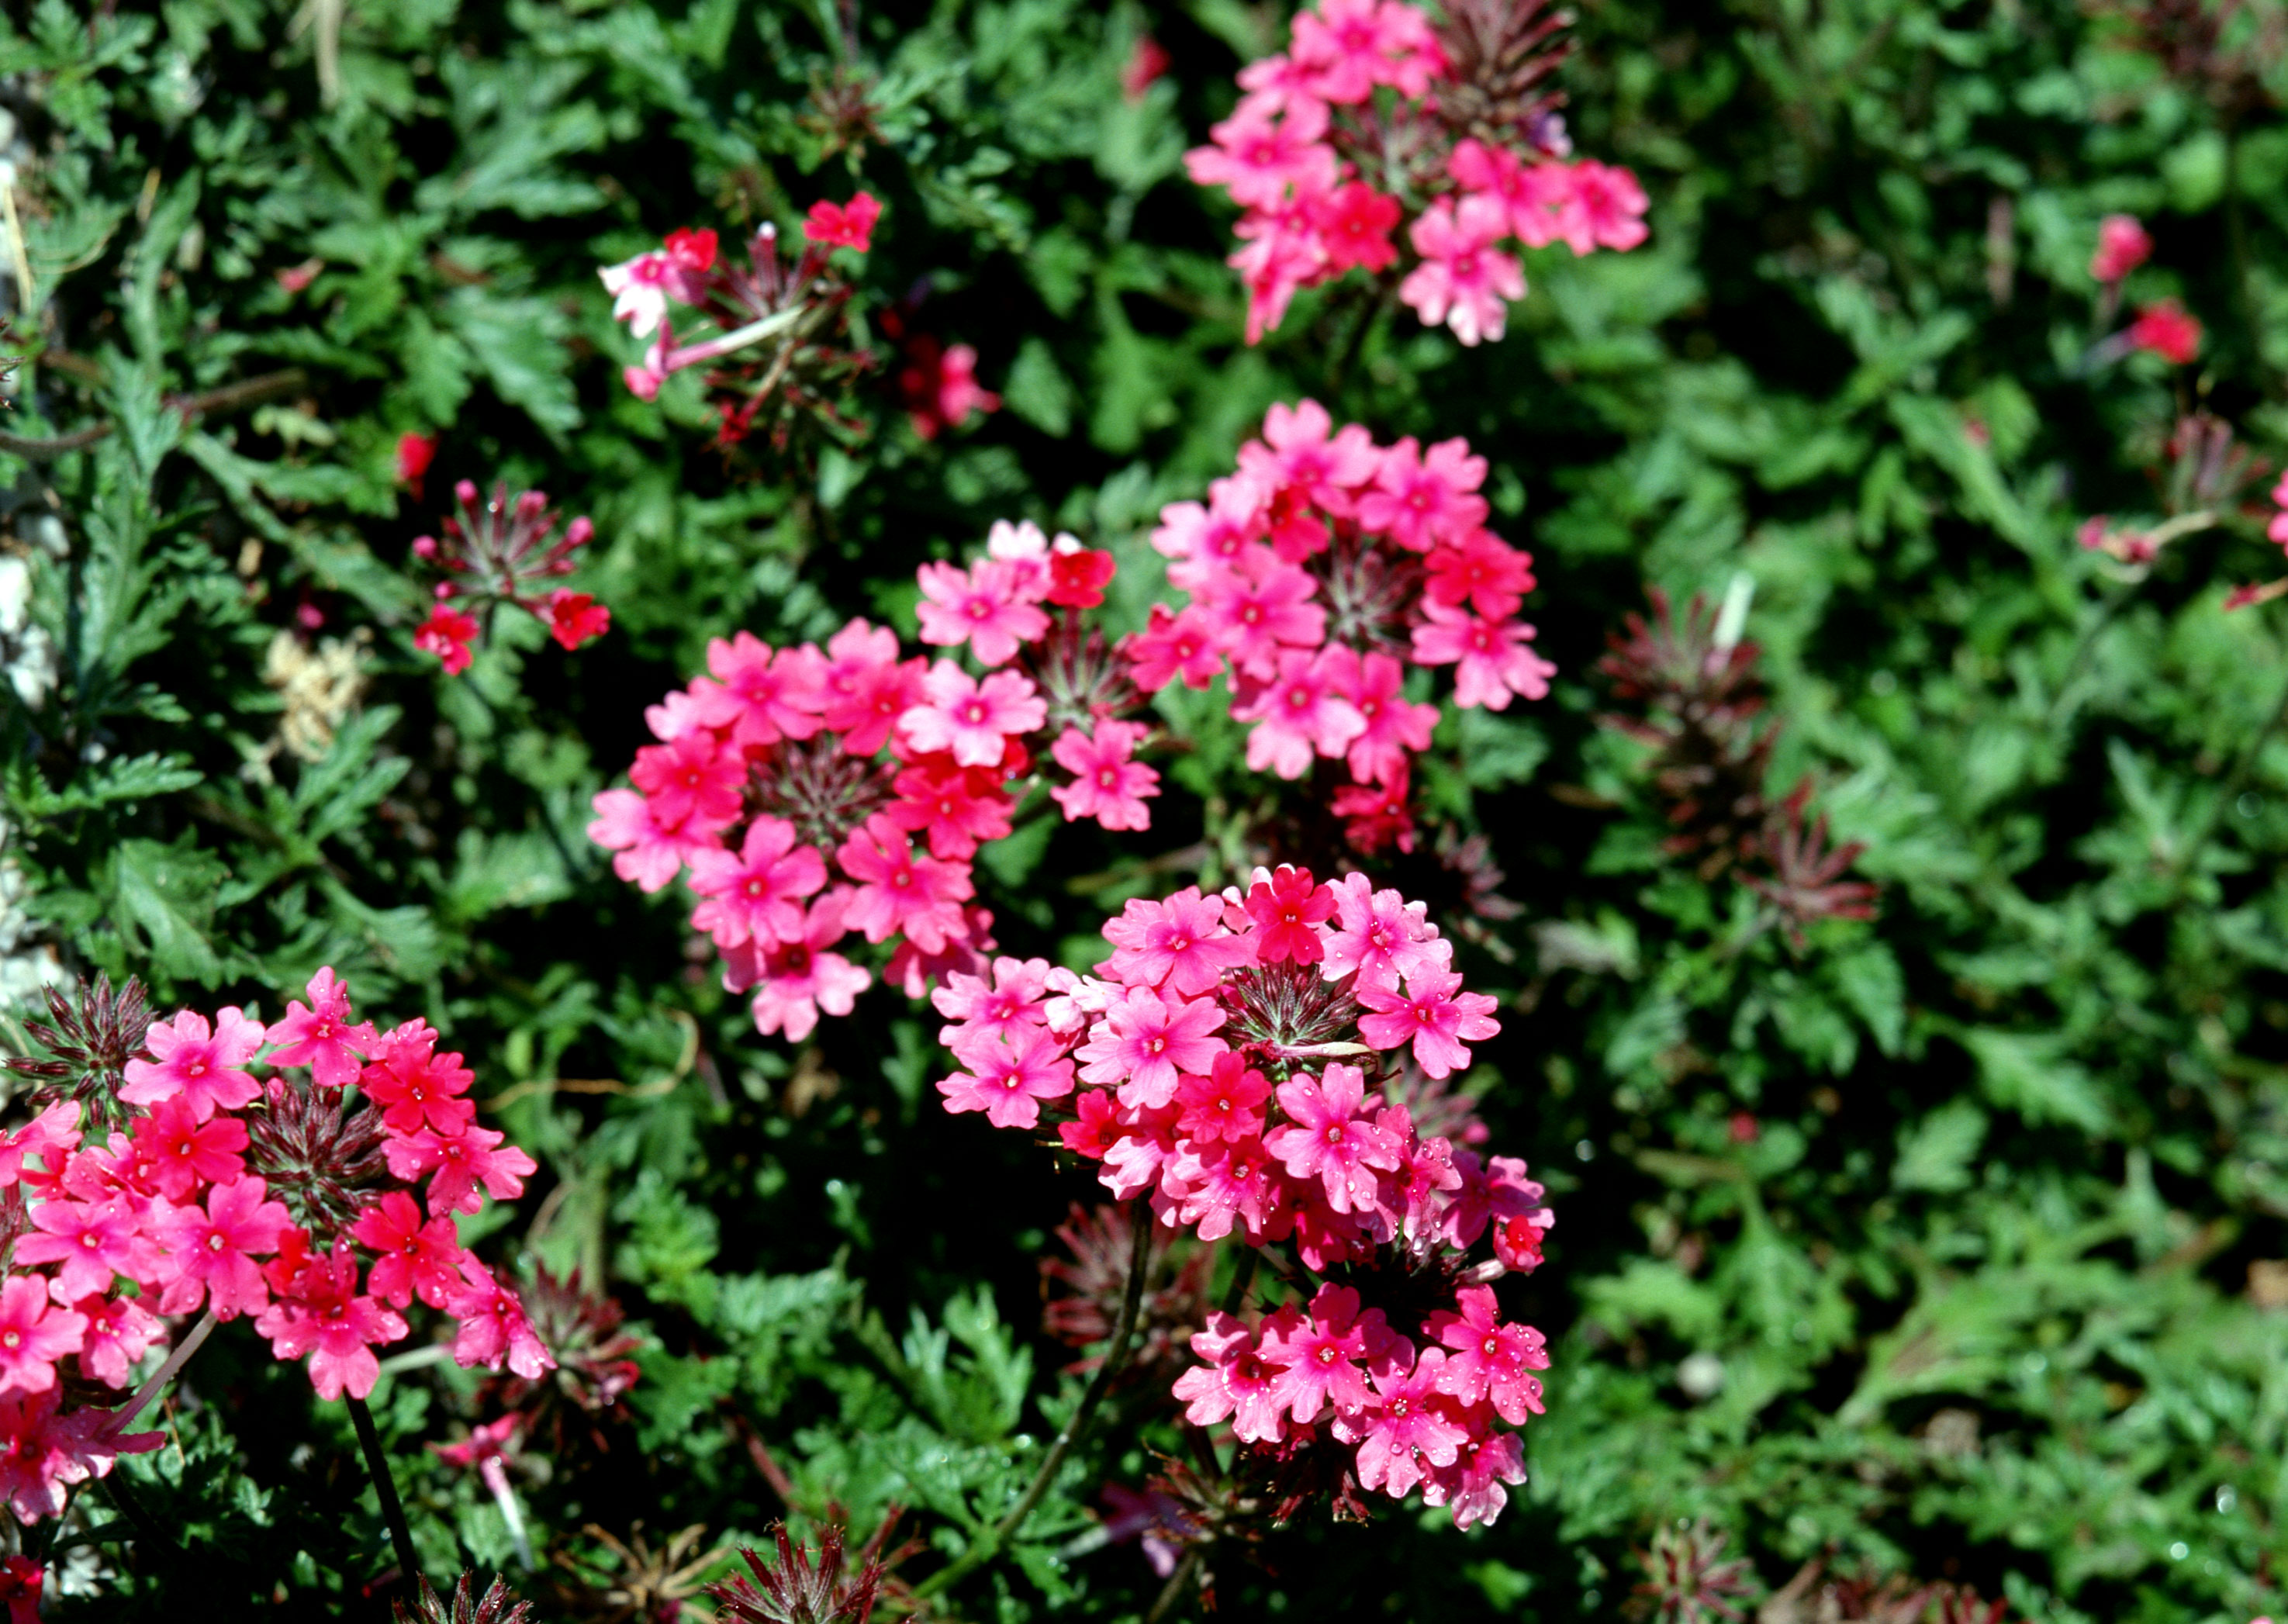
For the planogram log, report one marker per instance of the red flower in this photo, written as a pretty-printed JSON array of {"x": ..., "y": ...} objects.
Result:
[
  {"x": 843, "y": 225},
  {"x": 447, "y": 634},
  {"x": 1146, "y": 63},
  {"x": 691, "y": 251},
  {"x": 414, "y": 453},
  {"x": 1078, "y": 579},
  {"x": 2168, "y": 330},
  {"x": 575, "y": 617}
]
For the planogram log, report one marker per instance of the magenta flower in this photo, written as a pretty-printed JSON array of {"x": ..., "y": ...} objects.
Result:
[
  {"x": 93, "y": 1240},
  {"x": 984, "y": 607},
  {"x": 1391, "y": 725},
  {"x": 900, "y": 892},
  {"x": 120, "y": 1331},
  {"x": 33, "y": 1336},
  {"x": 328, "y": 1320},
  {"x": 494, "y": 1327},
  {"x": 1612, "y": 203},
  {"x": 1262, "y": 149},
  {"x": 1379, "y": 938},
  {"x": 1144, "y": 1040},
  {"x": 1322, "y": 1352},
  {"x": 1007, "y": 1079},
  {"x": 1173, "y": 645},
  {"x": 1262, "y": 608},
  {"x": 1223, "y": 1185},
  {"x": 1226, "y": 1104},
  {"x": 1481, "y": 571},
  {"x": 762, "y": 696},
  {"x": 1329, "y": 1137},
  {"x": 1434, "y": 1015},
  {"x": 199, "y": 1063},
  {"x": 1463, "y": 280},
  {"x": 414, "y": 1085},
  {"x": 184, "y": 1153},
  {"x": 1299, "y": 714},
  {"x": 2123, "y": 244},
  {"x": 1408, "y": 1429},
  {"x": 1238, "y": 1381},
  {"x": 1012, "y": 1003},
  {"x": 638, "y": 288},
  {"x": 1348, "y": 47},
  {"x": 650, "y": 854},
  {"x": 460, "y": 1163},
  {"x": 1497, "y": 1191},
  {"x": 1287, "y": 908},
  {"x": 1178, "y": 943},
  {"x": 447, "y": 634},
  {"x": 1489, "y": 1360},
  {"x": 209, "y": 1255},
  {"x": 974, "y": 720},
  {"x": 1420, "y": 499},
  {"x": 795, "y": 980},
  {"x": 411, "y": 1257},
  {"x": 1107, "y": 785},
  {"x": 690, "y": 779},
  {"x": 758, "y": 892},
  {"x": 321, "y": 1037},
  {"x": 1494, "y": 660},
  {"x": 850, "y": 224},
  {"x": 960, "y": 806}
]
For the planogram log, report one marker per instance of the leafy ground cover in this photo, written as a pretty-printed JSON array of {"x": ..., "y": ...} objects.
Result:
[{"x": 1915, "y": 1250}]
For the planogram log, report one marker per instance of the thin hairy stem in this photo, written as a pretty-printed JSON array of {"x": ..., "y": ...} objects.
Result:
[
  {"x": 1177, "y": 1583},
  {"x": 384, "y": 1490}
]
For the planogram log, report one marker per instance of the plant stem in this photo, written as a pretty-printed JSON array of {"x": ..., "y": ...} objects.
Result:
[
  {"x": 165, "y": 1373},
  {"x": 1115, "y": 1357},
  {"x": 1178, "y": 1583},
  {"x": 384, "y": 1490}
]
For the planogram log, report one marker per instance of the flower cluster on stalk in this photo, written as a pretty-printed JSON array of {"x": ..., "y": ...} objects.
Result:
[
  {"x": 306, "y": 1176},
  {"x": 1377, "y": 113},
  {"x": 1222, "y": 1064},
  {"x": 1317, "y": 573},
  {"x": 500, "y": 551},
  {"x": 773, "y": 352}
]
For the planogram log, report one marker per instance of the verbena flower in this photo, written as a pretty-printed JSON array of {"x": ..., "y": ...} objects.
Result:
[{"x": 496, "y": 551}]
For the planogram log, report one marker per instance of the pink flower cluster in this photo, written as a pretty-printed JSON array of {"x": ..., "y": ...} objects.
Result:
[
  {"x": 1316, "y": 572},
  {"x": 1362, "y": 96},
  {"x": 1219, "y": 1064},
  {"x": 501, "y": 552},
  {"x": 812, "y": 794},
  {"x": 181, "y": 1211}
]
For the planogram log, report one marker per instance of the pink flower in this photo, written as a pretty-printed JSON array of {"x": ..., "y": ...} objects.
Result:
[
  {"x": 2168, "y": 331},
  {"x": 410, "y": 1256},
  {"x": 1390, "y": 724},
  {"x": 1463, "y": 278},
  {"x": 1378, "y": 939},
  {"x": 1433, "y": 1014},
  {"x": 1481, "y": 571},
  {"x": 1322, "y": 1352},
  {"x": 649, "y": 853},
  {"x": 1354, "y": 224},
  {"x": 1007, "y": 1079},
  {"x": 1237, "y": 1380},
  {"x": 200, "y": 1063},
  {"x": 1472, "y": 1485},
  {"x": 1148, "y": 60},
  {"x": 1107, "y": 785},
  {"x": 866, "y": 696},
  {"x": 183, "y": 1153},
  {"x": 1144, "y": 1040},
  {"x": 328, "y": 1320},
  {"x": 2277, "y": 528},
  {"x": 1287, "y": 907},
  {"x": 92, "y": 1240},
  {"x": 1226, "y": 1104},
  {"x": 33, "y": 1336},
  {"x": 1300, "y": 713},
  {"x": 1489, "y": 1360},
  {"x": 638, "y": 288},
  {"x": 899, "y": 893},
  {"x": 1173, "y": 645},
  {"x": 973, "y": 719},
  {"x": 1494, "y": 660},
  {"x": 1548, "y": 208},
  {"x": 209, "y": 1255},
  {"x": 461, "y": 1162},
  {"x": 959, "y": 806},
  {"x": 1420, "y": 499},
  {"x": 1262, "y": 149},
  {"x": 1177, "y": 943},
  {"x": 51, "y": 1135},
  {"x": 941, "y": 386},
  {"x": 1280, "y": 255},
  {"x": 1011, "y": 1004},
  {"x": 321, "y": 1037},
  {"x": 796, "y": 978},
  {"x": 691, "y": 778},
  {"x": 761, "y": 695},
  {"x": 2122, "y": 246},
  {"x": 120, "y": 1331},
  {"x": 983, "y": 607},
  {"x": 1495, "y": 1193},
  {"x": 1260, "y": 609},
  {"x": 758, "y": 892},
  {"x": 414, "y": 453},
  {"x": 494, "y": 1328},
  {"x": 447, "y": 634},
  {"x": 851, "y": 224},
  {"x": 1612, "y": 203},
  {"x": 573, "y": 618},
  {"x": 1350, "y": 47},
  {"x": 1078, "y": 575},
  {"x": 414, "y": 1086},
  {"x": 1407, "y": 1429},
  {"x": 1330, "y": 1139}
]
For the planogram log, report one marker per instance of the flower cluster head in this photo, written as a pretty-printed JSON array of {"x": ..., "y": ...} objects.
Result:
[
  {"x": 816, "y": 794},
  {"x": 1376, "y": 114},
  {"x": 1317, "y": 574},
  {"x": 497, "y": 552},
  {"x": 304, "y": 1176},
  {"x": 1235, "y": 1063},
  {"x": 771, "y": 324}
]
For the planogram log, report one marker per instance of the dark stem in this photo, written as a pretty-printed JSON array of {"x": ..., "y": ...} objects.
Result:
[
  {"x": 384, "y": 1490},
  {"x": 1177, "y": 1583},
  {"x": 1116, "y": 1358},
  {"x": 1242, "y": 1278},
  {"x": 230, "y": 396}
]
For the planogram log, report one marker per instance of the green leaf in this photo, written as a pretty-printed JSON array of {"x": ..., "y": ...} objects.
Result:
[{"x": 162, "y": 898}]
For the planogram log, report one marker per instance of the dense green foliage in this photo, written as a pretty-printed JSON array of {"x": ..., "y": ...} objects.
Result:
[{"x": 1955, "y": 1211}]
